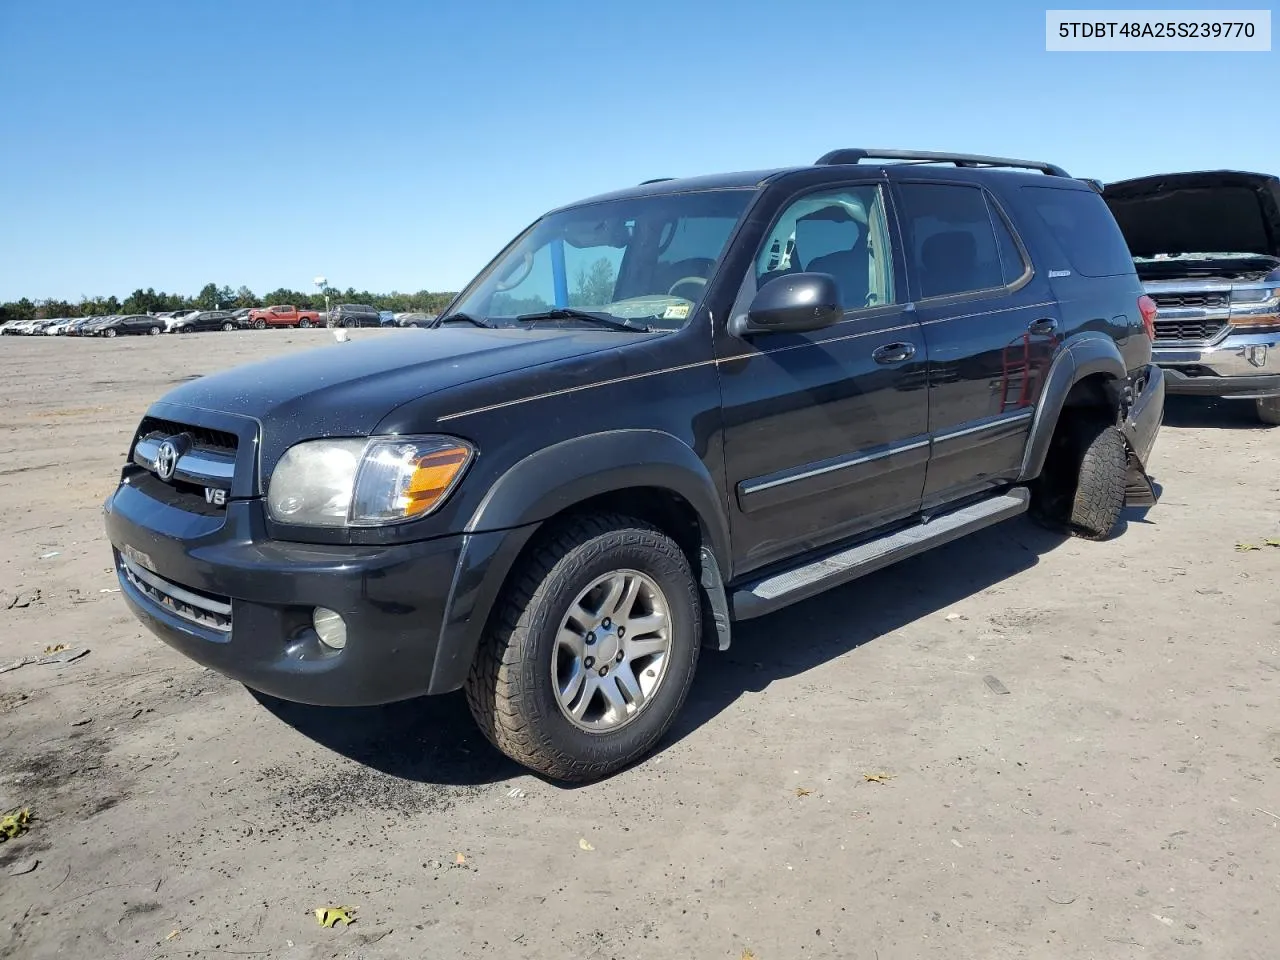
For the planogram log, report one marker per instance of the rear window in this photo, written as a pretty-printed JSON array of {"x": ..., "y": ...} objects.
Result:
[{"x": 1086, "y": 231}]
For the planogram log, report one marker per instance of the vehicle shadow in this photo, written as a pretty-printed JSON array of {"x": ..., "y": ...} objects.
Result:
[
  {"x": 807, "y": 635},
  {"x": 434, "y": 740},
  {"x": 427, "y": 739},
  {"x": 1208, "y": 413}
]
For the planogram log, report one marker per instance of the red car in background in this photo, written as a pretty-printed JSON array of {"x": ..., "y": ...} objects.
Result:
[{"x": 284, "y": 315}]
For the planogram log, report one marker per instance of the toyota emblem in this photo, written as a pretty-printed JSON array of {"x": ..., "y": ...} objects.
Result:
[{"x": 166, "y": 460}]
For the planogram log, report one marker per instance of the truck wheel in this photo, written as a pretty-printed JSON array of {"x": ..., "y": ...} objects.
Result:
[
  {"x": 259, "y": 324},
  {"x": 1269, "y": 410},
  {"x": 304, "y": 323},
  {"x": 590, "y": 651},
  {"x": 1082, "y": 486}
]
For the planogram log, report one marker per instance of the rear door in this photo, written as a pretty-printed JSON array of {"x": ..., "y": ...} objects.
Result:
[
  {"x": 825, "y": 432},
  {"x": 990, "y": 324}
]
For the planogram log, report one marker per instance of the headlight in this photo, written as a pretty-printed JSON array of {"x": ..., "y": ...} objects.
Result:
[{"x": 337, "y": 483}]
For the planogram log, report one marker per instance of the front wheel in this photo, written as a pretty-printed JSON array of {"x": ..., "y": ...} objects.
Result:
[
  {"x": 259, "y": 324},
  {"x": 1269, "y": 410},
  {"x": 228, "y": 326},
  {"x": 110, "y": 332},
  {"x": 590, "y": 651},
  {"x": 154, "y": 332}
]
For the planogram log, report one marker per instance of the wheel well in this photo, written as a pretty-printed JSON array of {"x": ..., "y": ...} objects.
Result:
[
  {"x": 665, "y": 509},
  {"x": 1091, "y": 395}
]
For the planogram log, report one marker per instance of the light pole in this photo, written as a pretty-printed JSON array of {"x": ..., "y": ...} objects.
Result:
[{"x": 322, "y": 286}]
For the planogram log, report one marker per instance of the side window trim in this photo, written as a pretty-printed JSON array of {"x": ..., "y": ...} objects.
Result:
[
  {"x": 985, "y": 293},
  {"x": 749, "y": 286},
  {"x": 996, "y": 209}
]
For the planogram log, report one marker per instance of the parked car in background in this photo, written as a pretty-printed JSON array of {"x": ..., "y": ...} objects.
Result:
[
  {"x": 205, "y": 320},
  {"x": 1207, "y": 246},
  {"x": 283, "y": 315},
  {"x": 241, "y": 315},
  {"x": 386, "y": 318},
  {"x": 416, "y": 320},
  {"x": 130, "y": 324},
  {"x": 354, "y": 315},
  {"x": 58, "y": 328}
]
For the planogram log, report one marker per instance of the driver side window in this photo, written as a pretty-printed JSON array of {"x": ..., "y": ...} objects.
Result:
[{"x": 839, "y": 232}]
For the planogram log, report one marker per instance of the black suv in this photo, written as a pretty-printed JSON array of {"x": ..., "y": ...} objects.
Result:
[
  {"x": 654, "y": 413},
  {"x": 354, "y": 315}
]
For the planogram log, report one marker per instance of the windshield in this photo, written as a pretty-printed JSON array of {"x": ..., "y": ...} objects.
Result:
[{"x": 645, "y": 259}]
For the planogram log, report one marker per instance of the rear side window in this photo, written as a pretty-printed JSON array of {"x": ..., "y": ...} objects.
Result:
[
  {"x": 1085, "y": 230},
  {"x": 950, "y": 239}
]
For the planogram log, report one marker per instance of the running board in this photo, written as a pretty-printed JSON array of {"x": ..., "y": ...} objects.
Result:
[{"x": 778, "y": 590}]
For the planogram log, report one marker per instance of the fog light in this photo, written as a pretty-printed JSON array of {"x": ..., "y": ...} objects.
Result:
[{"x": 330, "y": 627}]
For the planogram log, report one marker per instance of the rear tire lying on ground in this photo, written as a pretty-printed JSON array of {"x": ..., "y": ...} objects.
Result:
[
  {"x": 1082, "y": 487},
  {"x": 556, "y": 685},
  {"x": 1269, "y": 410}
]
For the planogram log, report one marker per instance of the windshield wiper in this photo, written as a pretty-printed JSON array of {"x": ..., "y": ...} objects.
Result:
[
  {"x": 465, "y": 318},
  {"x": 568, "y": 313}
]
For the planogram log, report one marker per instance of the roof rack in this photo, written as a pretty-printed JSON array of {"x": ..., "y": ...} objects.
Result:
[
  {"x": 858, "y": 154},
  {"x": 656, "y": 180}
]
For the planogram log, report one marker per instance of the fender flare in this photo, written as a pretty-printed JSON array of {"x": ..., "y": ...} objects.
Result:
[
  {"x": 563, "y": 474},
  {"x": 1083, "y": 356},
  {"x": 554, "y": 479}
]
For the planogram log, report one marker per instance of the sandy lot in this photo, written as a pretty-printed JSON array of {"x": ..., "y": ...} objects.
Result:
[{"x": 1119, "y": 801}]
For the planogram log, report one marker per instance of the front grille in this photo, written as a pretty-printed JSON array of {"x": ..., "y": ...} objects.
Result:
[
  {"x": 195, "y": 606},
  {"x": 203, "y": 438},
  {"x": 1209, "y": 301},
  {"x": 1183, "y": 330}
]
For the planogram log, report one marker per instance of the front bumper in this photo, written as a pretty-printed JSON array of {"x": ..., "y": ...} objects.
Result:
[
  {"x": 1243, "y": 366},
  {"x": 219, "y": 591}
]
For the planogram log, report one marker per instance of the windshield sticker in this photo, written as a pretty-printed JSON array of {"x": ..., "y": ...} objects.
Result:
[{"x": 677, "y": 311}]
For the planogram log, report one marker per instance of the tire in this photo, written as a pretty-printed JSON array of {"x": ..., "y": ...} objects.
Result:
[
  {"x": 259, "y": 324},
  {"x": 154, "y": 332},
  {"x": 1269, "y": 410},
  {"x": 109, "y": 332},
  {"x": 304, "y": 324},
  {"x": 228, "y": 327},
  {"x": 512, "y": 686},
  {"x": 1082, "y": 487}
]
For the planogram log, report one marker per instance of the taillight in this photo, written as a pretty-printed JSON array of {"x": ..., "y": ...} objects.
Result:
[{"x": 1147, "y": 307}]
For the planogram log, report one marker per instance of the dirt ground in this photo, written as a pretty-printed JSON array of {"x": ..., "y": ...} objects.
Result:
[{"x": 1080, "y": 743}]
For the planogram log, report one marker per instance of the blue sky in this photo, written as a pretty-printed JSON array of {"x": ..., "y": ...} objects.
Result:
[{"x": 398, "y": 144}]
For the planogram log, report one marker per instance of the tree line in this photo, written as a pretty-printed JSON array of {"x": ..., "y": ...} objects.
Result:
[{"x": 215, "y": 297}]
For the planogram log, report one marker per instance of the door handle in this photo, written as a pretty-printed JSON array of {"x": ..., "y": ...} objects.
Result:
[
  {"x": 893, "y": 353},
  {"x": 1044, "y": 326}
]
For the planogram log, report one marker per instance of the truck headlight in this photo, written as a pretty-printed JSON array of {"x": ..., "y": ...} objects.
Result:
[{"x": 338, "y": 483}]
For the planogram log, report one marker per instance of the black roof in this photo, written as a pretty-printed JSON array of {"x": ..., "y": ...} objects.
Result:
[{"x": 902, "y": 162}]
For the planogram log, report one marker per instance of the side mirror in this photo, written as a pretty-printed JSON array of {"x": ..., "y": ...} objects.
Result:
[{"x": 794, "y": 303}]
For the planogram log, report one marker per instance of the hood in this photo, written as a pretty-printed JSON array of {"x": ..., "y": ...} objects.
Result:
[
  {"x": 345, "y": 389},
  {"x": 1227, "y": 211}
]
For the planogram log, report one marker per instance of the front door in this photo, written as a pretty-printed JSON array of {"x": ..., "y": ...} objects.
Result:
[
  {"x": 991, "y": 326},
  {"x": 826, "y": 432}
]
